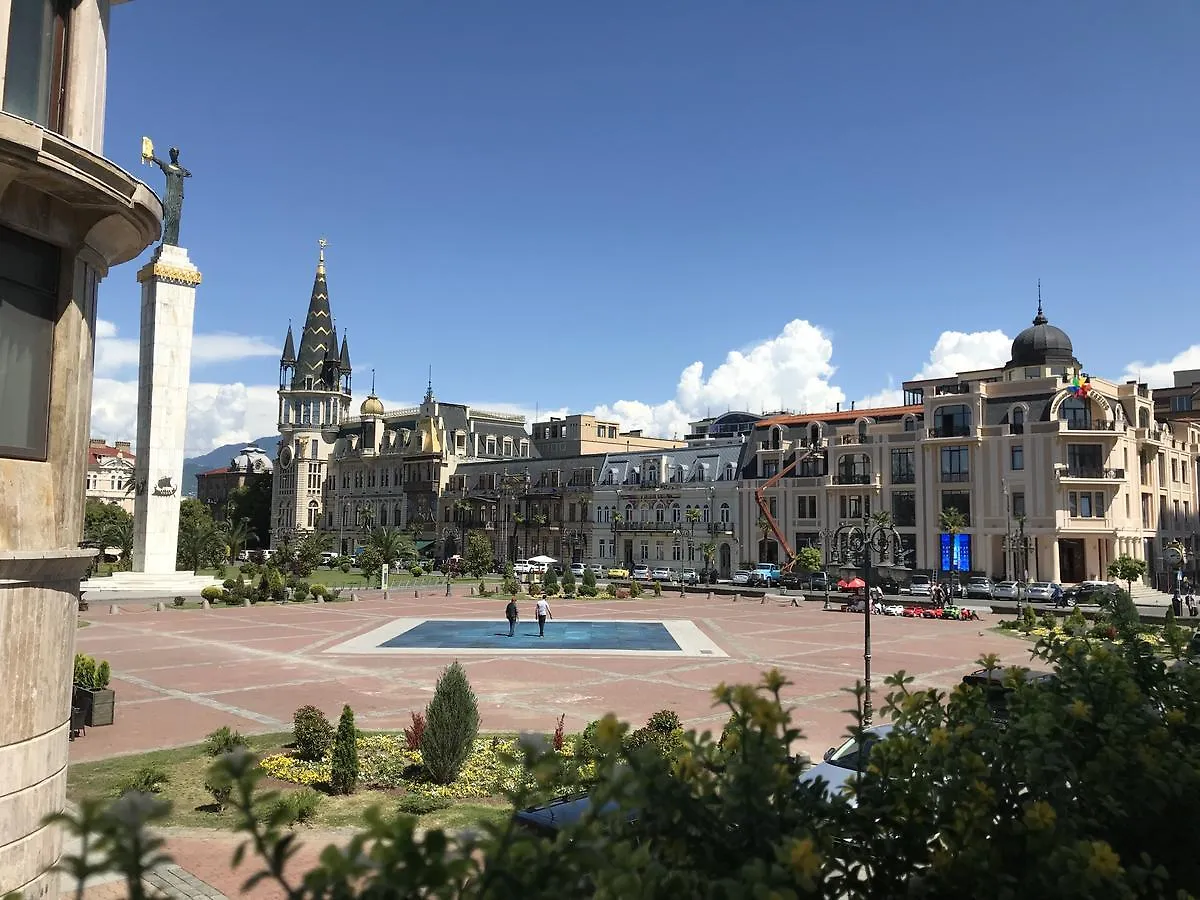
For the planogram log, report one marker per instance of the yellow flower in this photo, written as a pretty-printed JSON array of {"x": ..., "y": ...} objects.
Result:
[
  {"x": 608, "y": 733},
  {"x": 939, "y": 738},
  {"x": 1040, "y": 816},
  {"x": 804, "y": 858},
  {"x": 1080, "y": 710},
  {"x": 1103, "y": 860},
  {"x": 773, "y": 680}
]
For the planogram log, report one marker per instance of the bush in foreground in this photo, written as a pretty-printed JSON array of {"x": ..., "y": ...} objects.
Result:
[
  {"x": 955, "y": 804},
  {"x": 451, "y": 724},
  {"x": 223, "y": 740},
  {"x": 312, "y": 735},
  {"x": 343, "y": 769}
]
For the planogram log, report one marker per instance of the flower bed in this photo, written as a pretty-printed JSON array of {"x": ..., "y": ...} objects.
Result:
[{"x": 494, "y": 767}]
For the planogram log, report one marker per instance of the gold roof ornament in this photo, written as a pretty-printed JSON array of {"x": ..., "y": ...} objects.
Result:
[
  {"x": 371, "y": 406},
  {"x": 322, "y": 244}
]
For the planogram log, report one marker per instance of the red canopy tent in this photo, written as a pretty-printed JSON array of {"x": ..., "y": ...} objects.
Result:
[{"x": 853, "y": 584}]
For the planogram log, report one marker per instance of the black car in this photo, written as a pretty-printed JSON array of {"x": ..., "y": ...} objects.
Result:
[
  {"x": 993, "y": 684},
  {"x": 550, "y": 818},
  {"x": 888, "y": 585},
  {"x": 1088, "y": 592},
  {"x": 796, "y": 581}
]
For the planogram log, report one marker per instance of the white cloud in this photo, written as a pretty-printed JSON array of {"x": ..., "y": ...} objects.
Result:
[
  {"x": 789, "y": 371},
  {"x": 115, "y": 353},
  {"x": 957, "y": 351},
  {"x": 1162, "y": 374},
  {"x": 217, "y": 413}
]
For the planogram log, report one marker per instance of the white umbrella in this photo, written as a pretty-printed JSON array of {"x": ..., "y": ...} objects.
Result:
[{"x": 542, "y": 559}]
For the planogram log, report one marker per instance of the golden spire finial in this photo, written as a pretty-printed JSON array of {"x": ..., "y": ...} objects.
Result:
[{"x": 322, "y": 243}]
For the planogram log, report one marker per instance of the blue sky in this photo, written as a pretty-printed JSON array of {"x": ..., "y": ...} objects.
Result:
[{"x": 566, "y": 205}]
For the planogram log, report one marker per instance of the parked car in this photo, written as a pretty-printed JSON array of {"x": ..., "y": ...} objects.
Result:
[
  {"x": 793, "y": 580},
  {"x": 689, "y": 576},
  {"x": 1006, "y": 590},
  {"x": 618, "y": 572},
  {"x": 741, "y": 576},
  {"x": 577, "y": 569},
  {"x": 765, "y": 574},
  {"x": 888, "y": 585},
  {"x": 979, "y": 587},
  {"x": 522, "y": 567},
  {"x": 819, "y": 581},
  {"x": 995, "y": 684},
  {"x": 662, "y": 574},
  {"x": 842, "y": 763},
  {"x": 548, "y": 819},
  {"x": 597, "y": 569},
  {"x": 921, "y": 586},
  {"x": 1044, "y": 592},
  {"x": 1087, "y": 592},
  {"x": 641, "y": 573}
]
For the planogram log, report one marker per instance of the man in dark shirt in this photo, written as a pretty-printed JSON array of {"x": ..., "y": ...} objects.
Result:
[{"x": 512, "y": 614}]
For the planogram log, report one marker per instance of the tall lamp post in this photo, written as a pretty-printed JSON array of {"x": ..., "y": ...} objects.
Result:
[
  {"x": 827, "y": 537},
  {"x": 867, "y": 545}
]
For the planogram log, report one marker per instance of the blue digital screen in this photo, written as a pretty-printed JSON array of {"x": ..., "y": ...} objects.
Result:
[{"x": 956, "y": 555}]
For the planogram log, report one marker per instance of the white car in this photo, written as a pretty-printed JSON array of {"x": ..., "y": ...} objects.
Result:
[
  {"x": 577, "y": 569},
  {"x": 522, "y": 567},
  {"x": 689, "y": 576},
  {"x": 662, "y": 574},
  {"x": 641, "y": 573},
  {"x": 921, "y": 586},
  {"x": 1006, "y": 590},
  {"x": 597, "y": 570},
  {"x": 741, "y": 576}
]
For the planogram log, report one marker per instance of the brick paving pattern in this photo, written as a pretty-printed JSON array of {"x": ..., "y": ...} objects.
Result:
[{"x": 180, "y": 674}]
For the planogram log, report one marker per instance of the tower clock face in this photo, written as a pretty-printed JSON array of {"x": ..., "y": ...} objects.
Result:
[{"x": 285, "y": 457}]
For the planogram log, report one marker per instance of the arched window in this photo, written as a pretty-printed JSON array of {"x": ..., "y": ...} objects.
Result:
[
  {"x": 862, "y": 430},
  {"x": 383, "y": 516},
  {"x": 776, "y": 437},
  {"x": 951, "y": 421},
  {"x": 730, "y": 470},
  {"x": 660, "y": 513},
  {"x": 814, "y": 433},
  {"x": 651, "y": 473},
  {"x": 707, "y": 513},
  {"x": 628, "y": 512},
  {"x": 724, "y": 513},
  {"x": 1076, "y": 412},
  {"x": 674, "y": 512},
  {"x": 345, "y": 515},
  {"x": 910, "y": 422},
  {"x": 314, "y": 513},
  {"x": 1017, "y": 420},
  {"x": 396, "y": 518}
]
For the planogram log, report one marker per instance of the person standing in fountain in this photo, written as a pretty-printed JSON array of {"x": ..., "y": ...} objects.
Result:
[
  {"x": 512, "y": 614},
  {"x": 543, "y": 612}
]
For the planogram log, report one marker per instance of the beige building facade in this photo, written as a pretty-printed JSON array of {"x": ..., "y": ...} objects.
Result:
[
  {"x": 67, "y": 216},
  {"x": 109, "y": 476},
  {"x": 1056, "y": 471},
  {"x": 584, "y": 435}
]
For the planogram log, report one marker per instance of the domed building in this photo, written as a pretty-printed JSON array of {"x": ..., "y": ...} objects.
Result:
[
  {"x": 249, "y": 466},
  {"x": 1042, "y": 349}
]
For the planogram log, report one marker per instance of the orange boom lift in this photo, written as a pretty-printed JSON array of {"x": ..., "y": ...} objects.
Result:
[{"x": 761, "y": 499}]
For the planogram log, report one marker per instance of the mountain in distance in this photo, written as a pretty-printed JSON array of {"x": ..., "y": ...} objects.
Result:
[{"x": 220, "y": 457}]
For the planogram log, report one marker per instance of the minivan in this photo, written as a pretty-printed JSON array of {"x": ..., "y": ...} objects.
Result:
[{"x": 921, "y": 586}]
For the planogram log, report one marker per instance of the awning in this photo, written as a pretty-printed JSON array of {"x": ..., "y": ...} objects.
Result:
[{"x": 422, "y": 545}]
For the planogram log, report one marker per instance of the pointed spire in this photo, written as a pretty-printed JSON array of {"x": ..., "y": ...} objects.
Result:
[
  {"x": 429, "y": 388},
  {"x": 1040, "y": 319},
  {"x": 372, "y": 382},
  {"x": 289, "y": 348},
  {"x": 331, "y": 354},
  {"x": 322, "y": 244},
  {"x": 317, "y": 336},
  {"x": 344, "y": 356}
]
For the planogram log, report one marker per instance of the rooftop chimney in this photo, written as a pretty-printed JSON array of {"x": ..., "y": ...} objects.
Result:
[
  {"x": 852, "y": 402},
  {"x": 97, "y": 442},
  {"x": 838, "y": 408},
  {"x": 123, "y": 445}
]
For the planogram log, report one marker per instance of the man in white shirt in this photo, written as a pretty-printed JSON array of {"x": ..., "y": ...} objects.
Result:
[{"x": 542, "y": 609}]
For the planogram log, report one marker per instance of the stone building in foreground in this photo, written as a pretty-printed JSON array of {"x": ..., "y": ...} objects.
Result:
[{"x": 67, "y": 216}]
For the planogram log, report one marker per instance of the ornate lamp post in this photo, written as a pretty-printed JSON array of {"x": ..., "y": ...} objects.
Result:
[
  {"x": 511, "y": 485},
  {"x": 872, "y": 543}
]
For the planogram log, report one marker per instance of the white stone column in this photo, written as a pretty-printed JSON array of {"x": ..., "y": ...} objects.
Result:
[{"x": 168, "y": 303}]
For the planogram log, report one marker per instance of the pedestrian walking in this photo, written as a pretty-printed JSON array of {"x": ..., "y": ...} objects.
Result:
[
  {"x": 513, "y": 615},
  {"x": 1191, "y": 604},
  {"x": 542, "y": 609}
]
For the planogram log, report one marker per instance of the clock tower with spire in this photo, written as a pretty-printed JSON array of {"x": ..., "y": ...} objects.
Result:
[{"x": 314, "y": 398}]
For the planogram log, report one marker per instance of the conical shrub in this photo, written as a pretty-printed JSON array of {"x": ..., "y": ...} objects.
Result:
[
  {"x": 451, "y": 725},
  {"x": 343, "y": 775}
]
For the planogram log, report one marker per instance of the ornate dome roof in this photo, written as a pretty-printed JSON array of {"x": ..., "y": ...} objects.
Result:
[
  {"x": 251, "y": 459},
  {"x": 1042, "y": 344},
  {"x": 371, "y": 406}
]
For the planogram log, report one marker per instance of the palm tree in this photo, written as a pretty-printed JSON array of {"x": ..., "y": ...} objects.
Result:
[
  {"x": 119, "y": 533},
  {"x": 710, "y": 553},
  {"x": 200, "y": 543},
  {"x": 693, "y": 516},
  {"x": 390, "y": 545},
  {"x": 238, "y": 534},
  {"x": 952, "y": 522},
  {"x": 540, "y": 521}
]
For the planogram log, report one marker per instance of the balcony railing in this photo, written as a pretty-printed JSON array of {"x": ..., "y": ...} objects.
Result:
[
  {"x": 652, "y": 526},
  {"x": 956, "y": 476},
  {"x": 1090, "y": 425},
  {"x": 856, "y": 439},
  {"x": 904, "y": 478},
  {"x": 1016, "y": 429},
  {"x": 1096, "y": 472},
  {"x": 851, "y": 478},
  {"x": 951, "y": 432}
]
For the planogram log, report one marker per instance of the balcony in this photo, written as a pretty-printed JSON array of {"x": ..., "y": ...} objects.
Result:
[
  {"x": 661, "y": 527},
  {"x": 856, "y": 439},
  {"x": 955, "y": 477},
  {"x": 1089, "y": 425},
  {"x": 1016, "y": 429},
  {"x": 1094, "y": 473},
  {"x": 904, "y": 478},
  {"x": 851, "y": 478},
  {"x": 955, "y": 431}
]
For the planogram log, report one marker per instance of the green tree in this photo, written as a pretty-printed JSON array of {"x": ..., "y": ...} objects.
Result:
[
  {"x": 763, "y": 524},
  {"x": 568, "y": 583},
  {"x": 807, "y": 559},
  {"x": 238, "y": 534},
  {"x": 1127, "y": 569},
  {"x": 693, "y": 516},
  {"x": 392, "y": 545},
  {"x": 201, "y": 543},
  {"x": 511, "y": 586},
  {"x": 309, "y": 550},
  {"x": 252, "y": 502},
  {"x": 550, "y": 581},
  {"x": 587, "y": 587},
  {"x": 478, "y": 556},
  {"x": 952, "y": 522},
  {"x": 369, "y": 563},
  {"x": 451, "y": 725},
  {"x": 119, "y": 533},
  {"x": 709, "y": 551},
  {"x": 539, "y": 522},
  {"x": 343, "y": 761}
]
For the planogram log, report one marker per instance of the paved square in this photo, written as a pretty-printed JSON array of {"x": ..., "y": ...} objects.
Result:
[
  {"x": 572, "y": 637},
  {"x": 178, "y": 674}
]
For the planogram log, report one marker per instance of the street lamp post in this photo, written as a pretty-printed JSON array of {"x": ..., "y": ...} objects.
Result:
[
  {"x": 827, "y": 537},
  {"x": 866, "y": 545}
]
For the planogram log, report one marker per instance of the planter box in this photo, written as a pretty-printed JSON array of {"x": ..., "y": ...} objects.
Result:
[{"x": 96, "y": 704}]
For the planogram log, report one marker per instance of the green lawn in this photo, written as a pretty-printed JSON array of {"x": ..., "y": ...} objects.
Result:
[
  {"x": 191, "y": 803},
  {"x": 354, "y": 579}
]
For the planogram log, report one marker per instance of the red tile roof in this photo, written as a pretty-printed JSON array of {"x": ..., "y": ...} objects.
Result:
[
  {"x": 844, "y": 415},
  {"x": 96, "y": 452},
  {"x": 224, "y": 470}
]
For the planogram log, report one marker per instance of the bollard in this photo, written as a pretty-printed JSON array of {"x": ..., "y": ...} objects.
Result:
[
  {"x": 246, "y": 602},
  {"x": 354, "y": 597},
  {"x": 204, "y": 604},
  {"x": 113, "y": 609},
  {"x": 737, "y": 597},
  {"x": 447, "y": 588},
  {"x": 416, "y": 595},
  {"x": 710, "y": 595},
  {"x": 471, "y": 592},
  {"x": 320, "y": 599},
  {"x": 158, "y": 607}
]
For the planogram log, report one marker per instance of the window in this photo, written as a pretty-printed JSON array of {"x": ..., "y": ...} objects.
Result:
[
  {"x": 904, "y": 509},
  {"x": 645, "y": 551},
  {"x": 959, "y": 500},
  {"x": 1181, "y": 403},
  {"x": 806, "y": 507},
  {"x": 658, "y": 550},
  {"x": 314, "y": 514},
  {"x": 28, "y": 311},
  {"x": 1076, "y": 412},
  {"x": 1032, "y": 372},
  {"x": 724, "y": 513},
  {"x": 914, "y": 397},
  {"x": 902, "y": 467},
  {"x": 1085, "y": 460},
  {"x": 36, "y": 61},
  {"x": 951, "y": 421},
  {"x": 1085, "y": 505},
  {"x": 1018, "y": 504},
  {"x": 854, "y": 468},
  {"x": 851, "y": 506},
  {"x": 524, "y": 448},
  {"x": 1174, "y": 470},
  {"x": 677, "y": 552},
  {"x": 508, "y": 446},
  {"x": 956, "y": 464},
  {"x": 383, "y": 515},
  {"x": 770, "y": 468},
  {"x": 660, "y": 513},
  {"x": 675, "y": 512},
  {"x": 490, "y": 445},
  {"x": 1016, "y": 457},
  {"x": 1017, "y": 425},
  {"x": 771, "y": 507}
]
